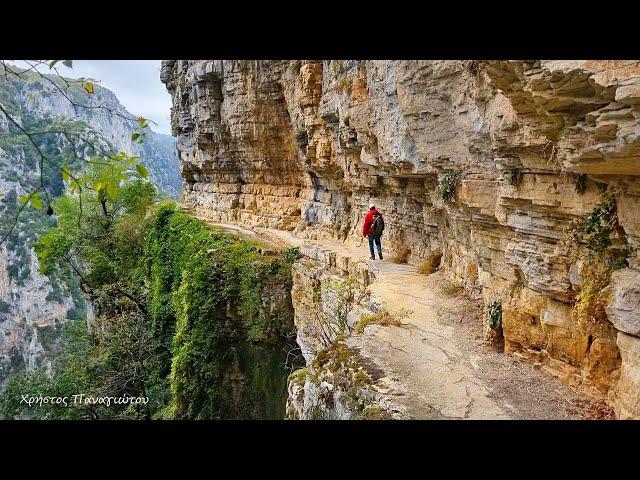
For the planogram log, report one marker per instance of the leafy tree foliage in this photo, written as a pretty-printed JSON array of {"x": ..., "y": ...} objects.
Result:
[
  {"x": 57, "y": 149},
  {"x": 179, "y": 307},
  {"x": 102, "y": 248},
  {"x": 210, "y": 295}
]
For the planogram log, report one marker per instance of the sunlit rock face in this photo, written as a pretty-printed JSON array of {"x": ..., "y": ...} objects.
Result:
[{"x": 307, "y": 145}]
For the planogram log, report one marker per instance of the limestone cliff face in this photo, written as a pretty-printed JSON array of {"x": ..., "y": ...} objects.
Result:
[{"x": 529, "y": 147}]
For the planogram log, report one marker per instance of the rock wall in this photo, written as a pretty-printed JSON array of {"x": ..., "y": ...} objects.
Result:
[{"x": 526, "y": 149}]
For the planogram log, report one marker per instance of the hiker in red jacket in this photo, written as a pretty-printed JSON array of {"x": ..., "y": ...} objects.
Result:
[{"x": 372, "y": 229}]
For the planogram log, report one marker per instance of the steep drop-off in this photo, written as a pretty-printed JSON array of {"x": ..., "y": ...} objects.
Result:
[
  {"x": 31, "y": 305},
  {"x": 492, "y": 165}
]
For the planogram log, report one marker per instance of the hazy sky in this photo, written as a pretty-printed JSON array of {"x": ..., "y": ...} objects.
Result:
[{"x": 136, "y": 83}]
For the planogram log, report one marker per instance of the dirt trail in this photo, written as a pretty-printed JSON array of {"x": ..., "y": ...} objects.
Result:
[
  {"x": 440, "y": 364},
  {"x": 436, "y": 364}
]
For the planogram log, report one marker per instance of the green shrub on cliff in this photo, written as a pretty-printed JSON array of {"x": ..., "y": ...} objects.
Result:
[
  {"x": 180, "y": 308},
  {"x": 209, "y": 293},
  {"x": 446, "y": 188},
  {"x": 495, "y": 314},
  {"x": 607, "y": 250}
]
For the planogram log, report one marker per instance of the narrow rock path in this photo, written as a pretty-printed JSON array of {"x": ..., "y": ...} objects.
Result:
[
  {"x": 436, "y": 364},
  {"x": 437, "y": 359}
]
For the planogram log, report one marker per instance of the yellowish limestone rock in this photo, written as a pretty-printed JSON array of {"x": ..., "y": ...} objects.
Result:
[{"x": 305, "y": 146}]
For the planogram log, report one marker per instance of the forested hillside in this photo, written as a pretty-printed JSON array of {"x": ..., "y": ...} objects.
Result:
[{"x": 32, "y": 306}]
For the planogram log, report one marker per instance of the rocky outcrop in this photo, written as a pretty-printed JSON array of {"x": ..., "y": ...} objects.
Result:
[
  {"x": 329, "y": 296},
  {"x": 486, "y": 163}
]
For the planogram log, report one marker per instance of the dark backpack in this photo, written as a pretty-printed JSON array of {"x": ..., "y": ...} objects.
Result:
[{"x": 378, "y": 224}]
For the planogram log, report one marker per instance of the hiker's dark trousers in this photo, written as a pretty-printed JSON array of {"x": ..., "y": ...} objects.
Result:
[{"x": 375, "y": 238}]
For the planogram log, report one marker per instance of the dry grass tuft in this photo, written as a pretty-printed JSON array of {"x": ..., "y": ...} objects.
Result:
[
  {"x": 450, "y": 288},
  {"x": 599, "y": 411},
  {"x": 589, "y": 306},
  {"x": 401, "y": 255},
  {"x": 431, "y": 264},
  {"x": 383, "y": 318}
]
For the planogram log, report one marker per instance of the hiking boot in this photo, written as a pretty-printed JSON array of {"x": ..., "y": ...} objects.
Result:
[
  {"x": 373, "y": 258},
  {"x": 380, "y": 257}
]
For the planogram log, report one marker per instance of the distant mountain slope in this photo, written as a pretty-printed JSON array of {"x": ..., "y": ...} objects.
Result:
[
  {"x": 41, "y": 100},
  {"x": 31, "y": 305}
]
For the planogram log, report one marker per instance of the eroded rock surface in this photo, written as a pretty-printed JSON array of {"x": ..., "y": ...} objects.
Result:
[{"x": 305, "y": 146}]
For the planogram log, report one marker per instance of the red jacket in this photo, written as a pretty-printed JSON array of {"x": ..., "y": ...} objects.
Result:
[{"x": 368, "y": 220}]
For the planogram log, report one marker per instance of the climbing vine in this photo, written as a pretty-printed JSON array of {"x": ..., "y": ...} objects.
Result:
[
  {"x": 210, "y": 293},
  {"x": 602, "y": 233}
]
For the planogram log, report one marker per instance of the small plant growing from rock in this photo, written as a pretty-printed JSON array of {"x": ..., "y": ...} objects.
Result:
[
  {"x": 495, "y": 315},
  {"x": 450, "y": 288},
  {"x": 340, "y": 66},
  {"x": 447, "y": 187},
  {"x": 474, "y": 67},
  {"x": 302, "y": 136},
  {"x": 382, "y": 318},
  {"x": 608, "y": 249},
  {"x": 316, "y": 412},
  {"x": 588, "y": 306},
  {"x": 581, "y": 183},
  {"x": 345, "y": 295},
  {"x": 291, "y": 254},
  {"x": 344, "y": 84},
  {"x": 373, "y": 412},
  {"x": 601, "y": 229},
  {"x": 513, "y": 175},
  {"x": 401, "y": 255},
  {"x": 299, "y": 376},
  {"x": 599, "y": 225}
]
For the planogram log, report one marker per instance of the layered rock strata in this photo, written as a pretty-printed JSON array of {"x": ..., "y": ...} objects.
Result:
[{"x": 524, "y": 148}]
